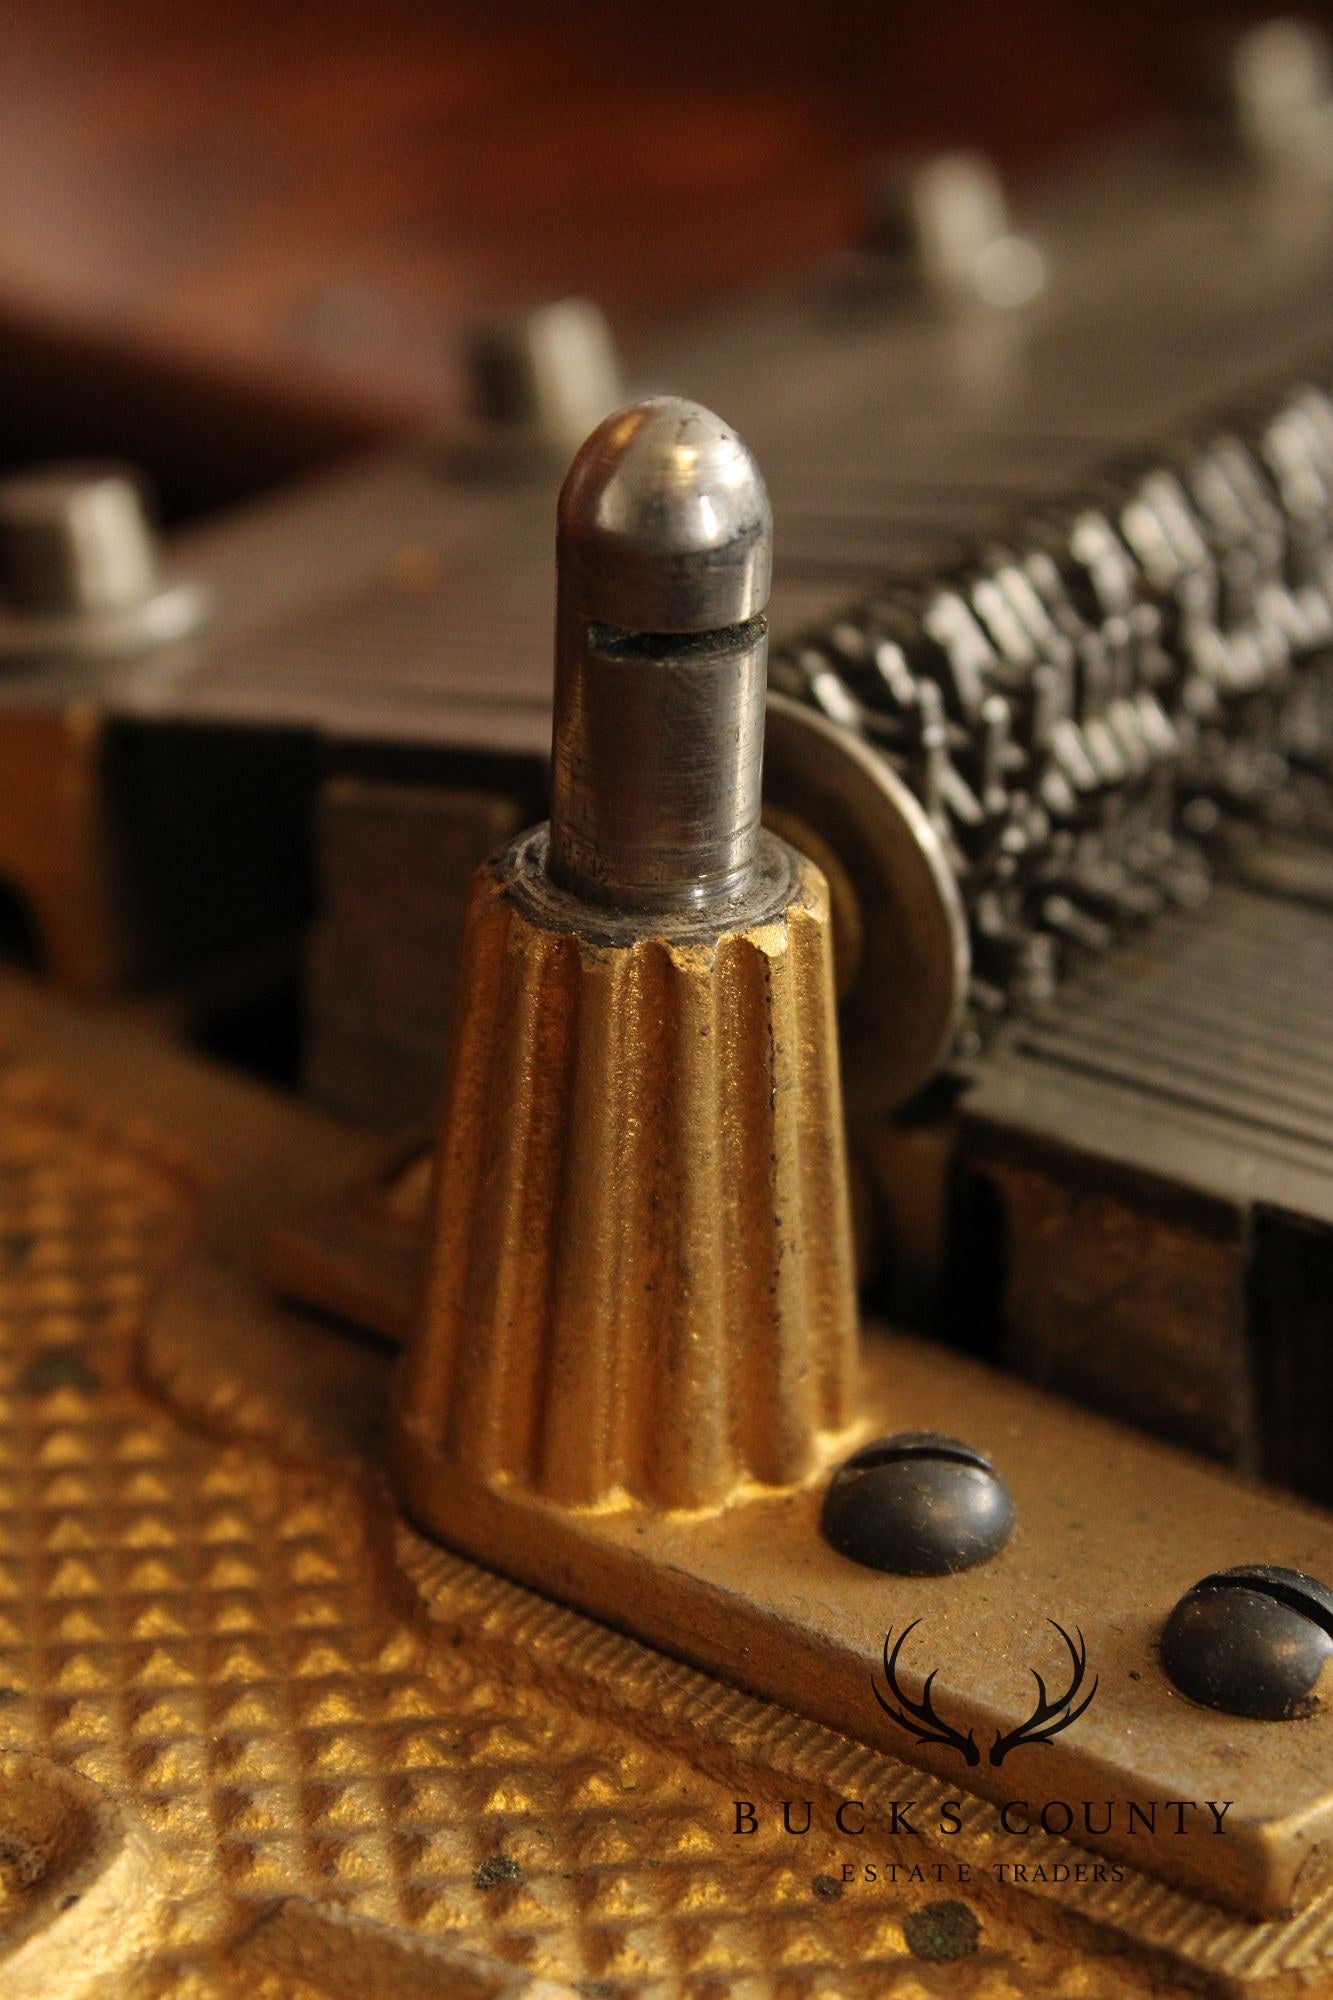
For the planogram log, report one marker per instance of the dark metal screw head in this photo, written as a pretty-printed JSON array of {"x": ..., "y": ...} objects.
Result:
[
  {"x": 1251, "y": 1641},
  {"x": 917, "y": 1504}
]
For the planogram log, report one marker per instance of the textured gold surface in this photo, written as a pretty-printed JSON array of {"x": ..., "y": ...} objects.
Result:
[
  {"x": 1110, "y": 1529},
  {"x": 641, "y": 1283},
  {"x": 635, "y": 1352},
  {"x": 719, "y": 1722},
  {"x": 219, "y": 1682}
]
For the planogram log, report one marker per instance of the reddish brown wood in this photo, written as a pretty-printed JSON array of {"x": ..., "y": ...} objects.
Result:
[{"x": 315, "y": 197}]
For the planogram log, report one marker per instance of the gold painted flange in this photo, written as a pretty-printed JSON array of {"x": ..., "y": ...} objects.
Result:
[
  {"x": 1111, "y": 1528},
  {"x": 638, "y": 1353},
  {"x": 641, "y": 1290}
]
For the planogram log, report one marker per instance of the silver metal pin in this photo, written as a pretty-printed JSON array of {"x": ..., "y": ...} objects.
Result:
[
  {"x": 664, "y": 554},
  {"x": 945, "y": 221},
  {"x": 1277, "y": 90},
  {"x": 80, "y": 570},
  {"x": 546, "y": 376},
  {"x": 75, "y": 539}
]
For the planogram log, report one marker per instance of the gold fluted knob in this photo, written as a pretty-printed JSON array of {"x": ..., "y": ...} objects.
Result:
[
  {"x": 641, "y": 1285},
  {"x": 641, "y": 1280}
]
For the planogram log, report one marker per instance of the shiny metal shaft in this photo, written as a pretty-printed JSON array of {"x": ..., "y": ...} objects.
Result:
[{"x": 664, "y": 556}]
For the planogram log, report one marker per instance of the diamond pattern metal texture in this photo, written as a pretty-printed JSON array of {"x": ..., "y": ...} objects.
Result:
[{"x": 220, "y": 1638}]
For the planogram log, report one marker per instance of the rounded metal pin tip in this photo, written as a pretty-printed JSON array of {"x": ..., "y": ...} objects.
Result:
[
  {"x": 1271, "y": 86},
  {"x": 542, "y": 377},
  {"x": 75, "y": 538},
  {"x": 664, "y": 521},
  {"x": 80, "y": 573},
  {"x": 664, "y": 557},
  {"x": 944, "y": 220}
]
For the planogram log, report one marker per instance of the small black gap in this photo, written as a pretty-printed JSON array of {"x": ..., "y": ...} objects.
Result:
[
  {"x": 975, "y": 1264},
  {"x": 614, "y": 644},
  {"x": 20, "y": 935},
  {"x": 259, "y": 1032},
  {"x": 892, "y": 1451},
  {"x": 1289, "y": 1594},
  {"x": 1289, "y": 1313}
]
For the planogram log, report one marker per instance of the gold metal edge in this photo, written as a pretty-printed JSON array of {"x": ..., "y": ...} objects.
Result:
[
  {"x": 665, "y": 1695},
  {"x": 768, "y": 1607}
]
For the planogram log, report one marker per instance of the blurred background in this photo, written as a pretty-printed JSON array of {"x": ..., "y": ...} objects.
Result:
[
  {"x": 237, "y": 239},
  {"x": 248, "y": 769}
]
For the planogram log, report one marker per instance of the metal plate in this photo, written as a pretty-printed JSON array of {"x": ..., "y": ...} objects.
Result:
[
  {"x": 256, "y": 1735},
  {"x": 892, "y": 885},
  {"x": 1112, "y": 1529}
]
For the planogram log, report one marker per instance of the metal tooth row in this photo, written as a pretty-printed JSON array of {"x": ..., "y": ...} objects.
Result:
[{"x": 1091, "y": 711}]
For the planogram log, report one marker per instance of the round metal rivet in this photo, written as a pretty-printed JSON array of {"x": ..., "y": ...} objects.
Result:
[
  {"x": 1252, "y": 1641},
  {"x": 918, "y": 1504}
]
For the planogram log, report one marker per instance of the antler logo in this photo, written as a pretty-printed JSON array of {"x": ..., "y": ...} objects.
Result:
[{"x": 1047, "y": 1719}]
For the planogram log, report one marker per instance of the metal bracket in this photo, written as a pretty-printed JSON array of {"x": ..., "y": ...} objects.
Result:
[{"x": 1111, "y": 1529}]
